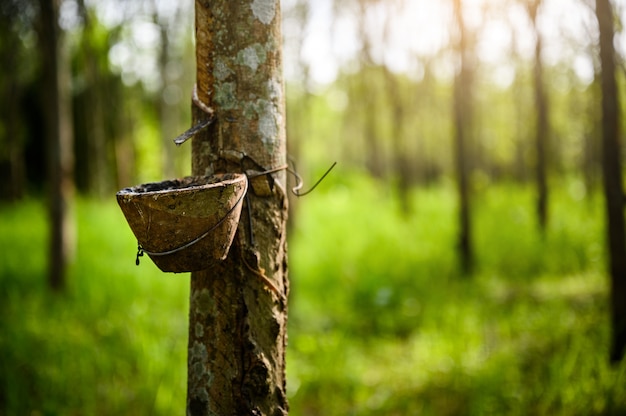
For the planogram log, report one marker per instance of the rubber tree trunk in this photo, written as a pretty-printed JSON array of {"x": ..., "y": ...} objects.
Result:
[
  {"x": 238, "y": 309},
  {"x": 612, "y": 172},
  {"x": 462, "y": 127},
  {"x": 60, "y": 142}
]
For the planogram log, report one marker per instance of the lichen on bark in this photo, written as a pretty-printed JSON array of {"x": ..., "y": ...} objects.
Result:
[
  {"x": 264, "y": 10},
  {"x": 238, "y": 308}
]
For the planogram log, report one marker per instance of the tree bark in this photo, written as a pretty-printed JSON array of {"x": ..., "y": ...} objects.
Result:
[
  {"x": 238, "y": 309},
  {"x": 612, "y": 173},
  {"x": 462, "y": 126},
  {"x": 58, "y": 111}
]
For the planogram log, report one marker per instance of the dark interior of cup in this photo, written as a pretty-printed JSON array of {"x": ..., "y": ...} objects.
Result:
[{"x": 182, "y": 183}]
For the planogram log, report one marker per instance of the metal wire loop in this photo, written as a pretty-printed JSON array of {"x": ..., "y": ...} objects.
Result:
[
  {"x": 300, "y": 182},
  {"x": 296, "y": 175},
  {"x": 201, "y": 125}
]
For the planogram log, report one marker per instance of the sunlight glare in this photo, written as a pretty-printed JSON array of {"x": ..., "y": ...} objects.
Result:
[{"x": 405, "y": 35}]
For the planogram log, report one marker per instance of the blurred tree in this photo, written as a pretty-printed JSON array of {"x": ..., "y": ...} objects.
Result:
[
  {"x": 17, "y": 74},
  {"x": 58, "y": 111},
  {"x": 430, "y": 125},
  {"x": 238, "y": 309},
  {"x": 374, "y": 156},
  {"x": 612, "y": 172},
  {"x": 463, "y": 84},
  {"x": 541, "y": 121},
  {"x": 401, "y": 155},
  {"x": 591, "y": 151},
  {"x": 169, "y": 22},
  {"x": 591, "y": 158},
  {"x": 520, "y": 110},
  {"x": 95, "y": 172},
  {"x": 300, "y": 121},
  {"x": 398, "y": 108}
]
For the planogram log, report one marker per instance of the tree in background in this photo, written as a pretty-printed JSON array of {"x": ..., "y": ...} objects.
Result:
[
  {"x": 401, "y": 155},
  {"x": 541, "y": 121},
  {"x": 373, "y": 148},
  {"x": 15, "y": 22},
  {"x": 171, "y": 25},
  {"x": 398, "y": 108},
  {"x": 462, "y": 102},
  {"x": 98, "y": 168},
  {"x": 58, "y": 112},
  {"x": 519, "y": 167},
  {"x": 591, "y": 153},
  {"x": 300, "y": 123},
  {"x": 612, "y": 172},
  {"x": 238, "y": 309}
]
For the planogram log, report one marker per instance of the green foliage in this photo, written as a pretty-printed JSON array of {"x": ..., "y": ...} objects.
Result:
[{"x": 381, "y": 321}]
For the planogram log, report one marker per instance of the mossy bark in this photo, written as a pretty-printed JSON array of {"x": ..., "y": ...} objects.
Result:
[{"x": 238, "y": 309}]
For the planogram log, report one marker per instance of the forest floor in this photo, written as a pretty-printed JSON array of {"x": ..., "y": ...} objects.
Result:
[{"x": 382, "y": 322}]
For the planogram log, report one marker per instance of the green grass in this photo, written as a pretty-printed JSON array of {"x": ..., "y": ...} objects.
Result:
[
  {"x": 381, "y": 320},
  {"x": 383, "y": 323},
  {"x": 114, "y": 343}
]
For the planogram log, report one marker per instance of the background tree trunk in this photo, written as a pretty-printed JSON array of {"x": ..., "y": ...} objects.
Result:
[
  {"x": 401, "y": 155},
  {"x": 96, "y": 165},
  {"x": 374, "y": 152},
  {"x": 612, "y": 171},
  {"x": 12, "y": 140},
  {"x": 519, "y": 166},
  {"x": 542, "y": 123},
  {"x": 238, "y": 309},
  {"x": 15, "y": 144},
  {"x": 462, "y": 127},
  {"x": 300, "y": 123},
  {"x": 58, "y": 112},
  {"x": 168, "y": 116}
]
